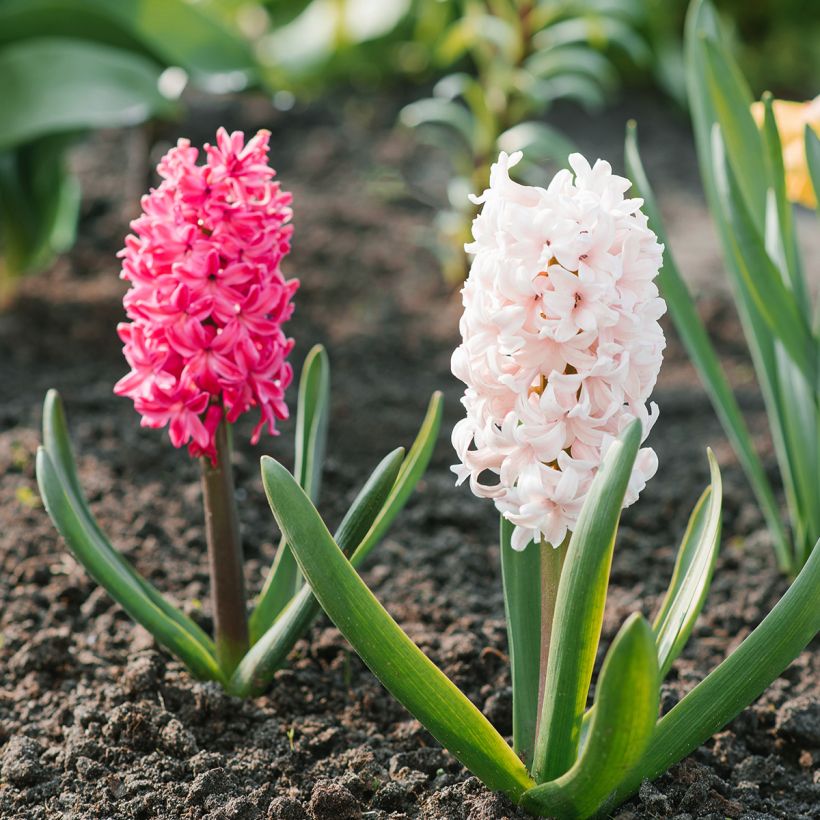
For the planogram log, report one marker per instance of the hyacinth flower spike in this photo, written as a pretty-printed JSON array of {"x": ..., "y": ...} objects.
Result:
[
  {"x": 560, "y": 350},
  {"x": 206, "y": 303}
]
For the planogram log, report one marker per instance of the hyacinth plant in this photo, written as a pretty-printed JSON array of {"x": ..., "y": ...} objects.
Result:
[
  {"x": 754, "y": 159},
  {"x": 207, "y": 301},
  {"x": 560, "y": 350}
]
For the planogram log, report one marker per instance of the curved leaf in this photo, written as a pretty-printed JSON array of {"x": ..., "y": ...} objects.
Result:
[
  {"x": 579, "y": 610},
  {"x": 400, "y": 665},
  {"x": 257, "y": 667},
  {"x": 312, "y": 415},
  {"x": 626, "y": 708},
  {"x": 692, "y": 575}
]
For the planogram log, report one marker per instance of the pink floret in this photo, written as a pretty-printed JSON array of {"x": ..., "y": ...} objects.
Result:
[{"x": 207, "y": 298}]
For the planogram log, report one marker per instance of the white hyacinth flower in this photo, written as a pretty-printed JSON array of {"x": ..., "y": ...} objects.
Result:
[{"x": 561, "y": 344}]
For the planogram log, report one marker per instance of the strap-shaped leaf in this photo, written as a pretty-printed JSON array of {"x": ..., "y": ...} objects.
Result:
[
  {"x": 521, "y": 574},
  {"x": 435, "y": 111},
  {"x": 699, "y": 347},
  {"x": 55, "y": 85},
  {"x": 257, "y": 667},
  {"x": 692, "y": 575},
  {"x": 813, "y": 160},
  {"x": 727, "y": 690},
  {"x": 761, "y": 277},
  {"x": 312, "y": 416},
  {"x": 400, "y": 665},
  {"x": 579, "y": 610},
  {"x": 418, "y": 457},
  {"x": 626, "y": 709},
  {"x": 57, "y": 445},
  {"x": 275, "y": 644},
  {"x": 109, "y": 572}
]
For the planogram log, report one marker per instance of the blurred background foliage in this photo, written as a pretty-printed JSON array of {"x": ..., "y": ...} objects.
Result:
[{"x": 67, "y": 66}]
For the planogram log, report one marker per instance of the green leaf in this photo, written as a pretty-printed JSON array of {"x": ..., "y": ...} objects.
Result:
[
  {"x": 255, "y": 671},
  {"x": 174, "y": 31},
  {"x": 760, "y": 276},
  {"x": 813, "y": 160},
  {"x": 600, "y": 33},
  {"x": 435, "y": 111},
  {"x": 692, "y": 575},
  {"x": 538, "y": 141},
  {"x": 418, "y": 457},
  {"x": 136, "y": 596},
  {"x": 400, "y": 665},
  {"x": 312, "y": 414},
  {"x": 521, "y": 574},
  {"x": 55, "y": 85},
  {"x": 626, "y": 708},
  {"x": 699, "y": 347},
  {"x": 573, "y": 59},
  {"x": 727, "y": 690},
  {"x": 278, "y": 640},
  {"x": 579, "y": 610},
  {"x": 39, "y": 202}
]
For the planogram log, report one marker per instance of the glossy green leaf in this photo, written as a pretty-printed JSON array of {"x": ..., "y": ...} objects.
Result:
[
  {"x": 812, "y": 142},
  {"x": 521, "y": 575},
  {"x": 745, "y": 674},
  {"x": 579, "y": 611},
  {"x": 418, "y": 457},
  {"x": 692, "y": 574},
  {"x": 435, "y": 111},
  {"x": 400, "y": 665},
  {"x": 255, "y": 671},
  {"x": 57, "y": 445},
  {"x": 781, "y": 237},
  {"x": 39, "y": 203},
  {"x": 312, "y": 416},
  {"x": 555, "y": 62},
  {"x": 626, "y": 707},
  {"x": 83, "y": 539},
  {"x": 55, "y": 85},
  {"x": 761, "y": 278},
  {"x": 174, "y": 31},
  {"x": 275, "y": 644},
  {"x": 598, "y": 32},
  {"x": 699, "y": 347}
]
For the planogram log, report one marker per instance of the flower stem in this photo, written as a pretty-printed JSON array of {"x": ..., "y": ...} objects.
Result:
[
  {"x": 552, "y": 562},
  {"x": 225, "y": 561}
]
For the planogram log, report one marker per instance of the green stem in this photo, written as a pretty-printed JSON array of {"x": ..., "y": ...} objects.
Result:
[
  {"x": 552, "y": 562},
  {"x": 225, "y": 561}
]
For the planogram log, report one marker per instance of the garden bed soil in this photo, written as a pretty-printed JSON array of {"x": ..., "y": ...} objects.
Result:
[{"x": 97, "y": 722}]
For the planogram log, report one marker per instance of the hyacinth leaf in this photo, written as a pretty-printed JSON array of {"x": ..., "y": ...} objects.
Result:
[
  {"x": 760, "y": 275},
  {"x": 392, "y": 656},
  {"x": 538, "y": 141},
  {"x": 175, "y": 31},
  {"x": 813, "y": 160},
  {"x": 521, "y": 575},
  {"x": 418, "y": 457},
  {"x": 692, "y": 574},
  {"x": 57, "y": 445},
  {"x": 732, "y": 101},
  {"x": 579, "y": 610},
  {"x": 696, "y": 341},
  {"x": 312, "y": 414},
  {"x": 256, "y": 669},
  {"x": 781, "y": 238},
  {"x": 742, "y": 677},
  {"x": 171, "y": 628},
  {"x": 626, "y": 708},
  {"x": 275, "y": 644},
  {"x": 57, "y": 86}
]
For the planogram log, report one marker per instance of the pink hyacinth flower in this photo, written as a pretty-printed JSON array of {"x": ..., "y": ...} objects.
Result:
[{"x": 207, "y": 298}]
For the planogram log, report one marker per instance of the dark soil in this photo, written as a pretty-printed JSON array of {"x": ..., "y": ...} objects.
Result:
[{"x": 97, "y": 722}]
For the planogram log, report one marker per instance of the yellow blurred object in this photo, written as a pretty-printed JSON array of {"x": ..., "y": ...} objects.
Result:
[{"x": 792, "y": 118}]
